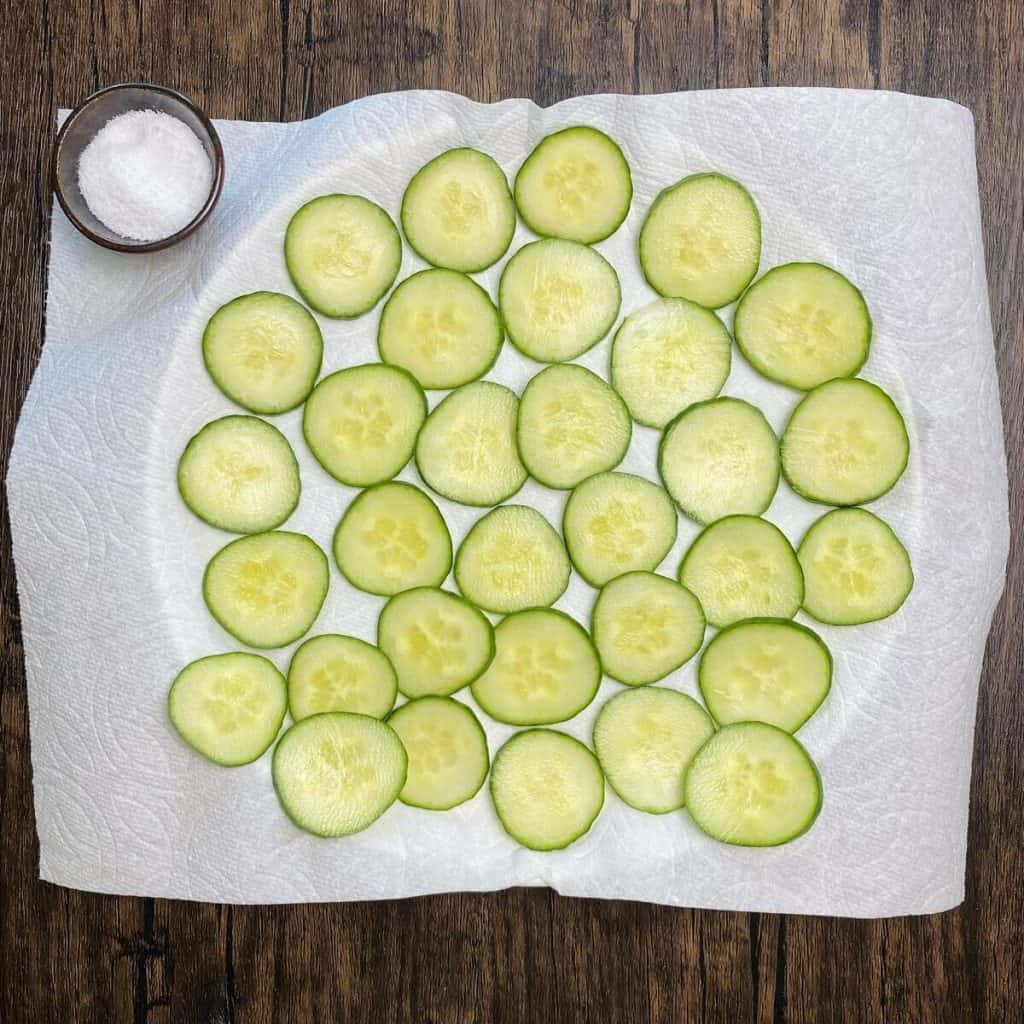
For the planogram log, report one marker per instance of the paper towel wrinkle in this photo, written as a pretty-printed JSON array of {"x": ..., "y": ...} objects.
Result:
[{"x": 110, "y": 561}]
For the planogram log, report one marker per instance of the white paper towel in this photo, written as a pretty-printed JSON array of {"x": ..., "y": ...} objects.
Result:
[{"x": 109, "y": 561}]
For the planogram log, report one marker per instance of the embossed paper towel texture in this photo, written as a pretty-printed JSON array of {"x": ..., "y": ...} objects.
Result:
[{"x": 109, "y": 561}]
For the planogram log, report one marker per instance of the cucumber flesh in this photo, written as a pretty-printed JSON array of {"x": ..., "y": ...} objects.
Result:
[
  {"x": 332, "y": 672},
  {"x": 575, "y": 184},
  {"x": 855, "y": 568},
  {"x": 547, "y": 788},
  {"x": 457, "y": 212},
  {"x": 701, "y": 240},
  {"x": 616, "y": 523},
  {"x": 753, "y": 785},
  {"x": 263, "y": 350},
  {"x": 337, "y": 773},
  {"x": 343, "y": 253},
  {"x": 803, "y": 324},
  {"x": 765, "y": 670},
  {"x": 571, "y": 425},
  {"x": 845, "y": 444},
  {"x": 392, "y": 538},
  {"x": 437, "y": 642},
  {"x": 545, "y": 670},
  {"x": 361, "y": 423},
  {"x": 267, "y": 589},
  {"x": 645, "y": 626},
  {"x": 668, "y": 355},
  {"x": 645, "y": 739},
  {"x": 558, "y": 299},
  {"x": 510, "y": 560},
  {"x": 229, "y": 707},
  {"x": 239, "y": 473},
  {"x": 442, "y": 327},
  {"x": 720, "y": 458},
  {"x": 742, "y": 567},
  {"x": 466, "y": 450},
  {"x": 447, "y": 748}
]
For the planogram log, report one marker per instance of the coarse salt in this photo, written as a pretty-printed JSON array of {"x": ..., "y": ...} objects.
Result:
[{"x": 145, "y": 175}]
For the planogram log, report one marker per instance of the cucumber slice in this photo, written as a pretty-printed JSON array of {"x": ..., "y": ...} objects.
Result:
[
  {"x": 845, "y": 444},
  {"x": 392, "y": 538},
  {"x": 361, "y": 423},
  {"x": 337, "y": 773},
  {"x": 239, "y": 474},
  {"x": 668, "y": 355},
  {"x": 437, "y": 642},
  {"x": 742, "y": 567},
  {"x": 512, "y": 559},
  {"x": 765, "y": 670},
  {"x": 466, "y": 450},
  {"x": 558, "y": 299},
  {"x": 702, "y": 240},
  {"x": 457, "y": 211},
  {"x": 267, "y": 590},
  {"x": 575, "y": 184},
  {"x": 447, "y": 750},
  {"x": 547, "y": 789},
  {"x": 752, "y": 784},
  {"x": 571, "y": 426},
  {"x": 645, "y": 626},
  {"x": 645, "y": 739},
  {"x": 720, "y": 458},
  {"x": 803, "y": 324},
  {"x": 442, "y": 327},
  {"x": 343, "y": 253},
  {"x": 545, "y": 669},
  {"x": 263, "y": 350},
  {"x": 229, "y": 707},
  {"x": 332, "y": 672},
  {"x": 615, "y": 523},
  {"x": 855, "y": 568}
]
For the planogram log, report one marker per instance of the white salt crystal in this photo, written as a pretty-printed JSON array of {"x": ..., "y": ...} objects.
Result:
[{"x": 145, "y": 175}]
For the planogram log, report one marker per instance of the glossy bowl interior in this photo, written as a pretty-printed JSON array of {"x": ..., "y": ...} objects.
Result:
[{"x": 88, "y": 118}]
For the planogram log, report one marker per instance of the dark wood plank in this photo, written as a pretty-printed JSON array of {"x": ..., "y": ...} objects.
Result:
[
  {"x": 922, "y": 969},
  {"x": 823, "y": 42},
  {"x": 522, "y": 955},
  {"x": 232, "y": 62},
  {"x": 980, "y": 62},
  {"x": 841, "y": 50},
  {"x": 63, "y": 955},
  {"x": 41, "y": 927},
  {"x": 737, "y": 37}
]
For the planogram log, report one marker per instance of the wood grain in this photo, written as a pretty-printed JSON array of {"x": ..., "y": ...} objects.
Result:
[{"x": 522, "y": 955}]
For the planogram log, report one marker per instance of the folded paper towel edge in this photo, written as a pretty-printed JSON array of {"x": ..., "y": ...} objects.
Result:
[
  {"x": 961, "y": 109},
  {"x": 767, "y": 906}
]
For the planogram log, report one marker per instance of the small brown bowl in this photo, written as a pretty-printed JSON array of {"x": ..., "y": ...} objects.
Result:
[{"x": 81, "y": 127}]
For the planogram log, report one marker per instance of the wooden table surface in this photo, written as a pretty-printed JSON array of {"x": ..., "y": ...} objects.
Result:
[{"x": 521, "y": 955}]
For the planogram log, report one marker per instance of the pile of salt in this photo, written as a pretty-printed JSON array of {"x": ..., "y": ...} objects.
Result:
[{"x": 145, "y": 175}]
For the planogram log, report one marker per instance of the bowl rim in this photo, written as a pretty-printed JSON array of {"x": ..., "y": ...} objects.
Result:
[{"x": 159, "y": 243}]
